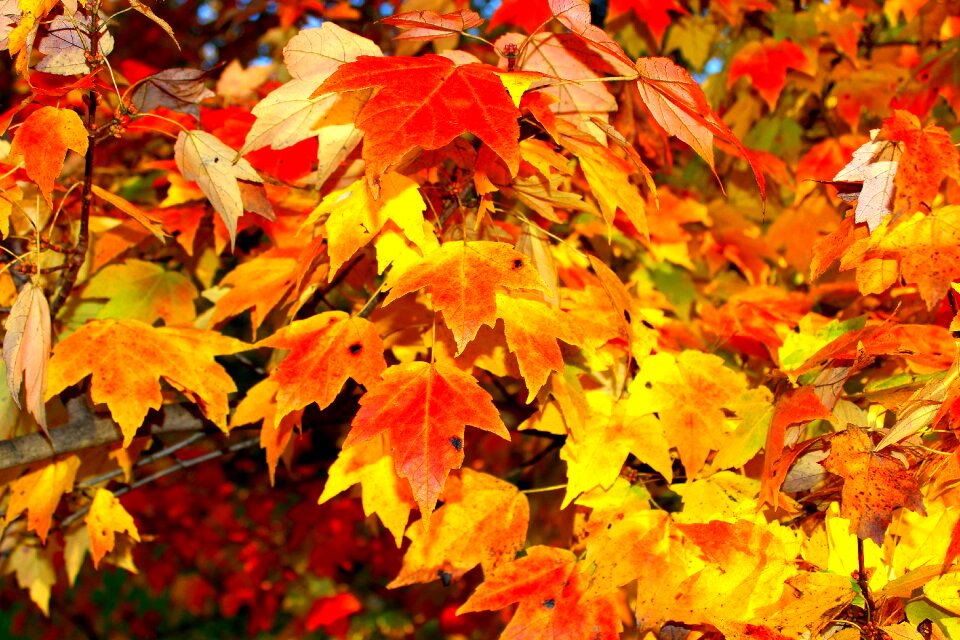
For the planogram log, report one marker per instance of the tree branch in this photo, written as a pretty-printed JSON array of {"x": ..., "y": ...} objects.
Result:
[{"x": 86, "y": 429}]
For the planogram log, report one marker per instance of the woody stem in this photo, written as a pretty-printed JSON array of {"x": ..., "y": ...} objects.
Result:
[{"x": 75, "y": 260}]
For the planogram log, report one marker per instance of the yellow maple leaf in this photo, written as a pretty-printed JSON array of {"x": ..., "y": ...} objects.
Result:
[{"x": 106, "y": 518}]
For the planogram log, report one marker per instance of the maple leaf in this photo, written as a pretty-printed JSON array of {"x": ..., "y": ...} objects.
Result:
[
  {"x": 126, "y": 360},
  {"x": 563, "y": 55},
  {"x": 711, "y": 573},
  {"x": 655, "y": 14},
  {"x": 679, "y": 106},
  {"x": 144, "y": 291},
  {"x": 928, "y": 156},
  {"x": 874, "y": 166},
  {"x": 106, "y": 518},
  {"x": 549, "y": 584},
  {"x": 575, "y": 15},
  {"x": 176, "y": 89},
  {"x": 260, "y": 404},
  {"x": 463, "y": 278},
  {"x": 532, "y": 329},
  {"x": 874, "y": 484},
  {"x": 42, "y": 141},
  {"x": 609, "y": 180},
  {"x": 595, "y": 455},
  {"x": 354, "y": 217},
  {"x": 766, "y": 64},
  {"x": 325, "y": 350},
  {"x": 216, "y": 168},
  {"x": 26, "y": 350},
  {"x": 690, "y": 394},
  {"x": 38, "y": 492},
  {"x": 291, "y": 113},
  {"x": 35, "y": 571},
  {"x": 923, "y": 250},
  {"x": 370, "y": 465},
  {"x": 423, "y": 408},
  {"x": 483, "y": 521},
  {"x": 261, "y": 285},
  {"x": 425, "y": 103},
  {"x": 428, "y": 25},
  {"x": 67, "y": 43},
  {"x": 130, "y": 209}
]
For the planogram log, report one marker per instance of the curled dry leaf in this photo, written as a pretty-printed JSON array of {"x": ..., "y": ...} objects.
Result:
[
  {"x": 874, "y": 167},
  {"x": 428, "y": 25},
  {"x": 26, "y": 349},
  {"x": 163, "y": 24},
  {"x": 176, "y": 89}
]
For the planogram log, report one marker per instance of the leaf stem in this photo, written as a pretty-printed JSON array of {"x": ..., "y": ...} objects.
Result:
[
  {"x": 178, "y": 465},
  {"x": 555, "y": 487},
  {"x": 863, "y": 583}
]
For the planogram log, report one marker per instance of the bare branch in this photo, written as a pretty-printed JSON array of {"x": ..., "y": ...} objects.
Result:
[{"x": 86, "y": 429}]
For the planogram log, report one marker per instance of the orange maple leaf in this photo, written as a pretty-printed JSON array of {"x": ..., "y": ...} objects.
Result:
[
  {"x": 42, "y": 141},
  {"x": 549, "y": 584},
  {"x": 680, "y": 107},
  {"x": 325, "y": 350},
  {"x": 127, "y": 358},
  {"x": 424, "y": 408},
  {"x": 483, "y": 521},
  {"x": 928, "y": 156},
  {"x": 38, "y": 492},
  {"x": 873, "y": 484},
  {"x": 766, "y": 64},
  {"x": 425, "y": 103},
  {"x": 463, "y": 278},
  {"x": 532, "y": 329}
]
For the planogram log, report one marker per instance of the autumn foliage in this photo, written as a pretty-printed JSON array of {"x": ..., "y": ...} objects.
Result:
[{"x": 537, "y": 319}]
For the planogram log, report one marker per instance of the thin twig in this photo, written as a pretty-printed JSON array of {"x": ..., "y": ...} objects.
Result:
[
  {"x": 179, "y": 465},
  {"x": 163, "y": 453}
]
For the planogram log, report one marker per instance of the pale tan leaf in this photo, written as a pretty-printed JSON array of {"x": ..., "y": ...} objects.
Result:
[
  {"x": 216, "y": 168},
  {"x": 26, "y": 349}
]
